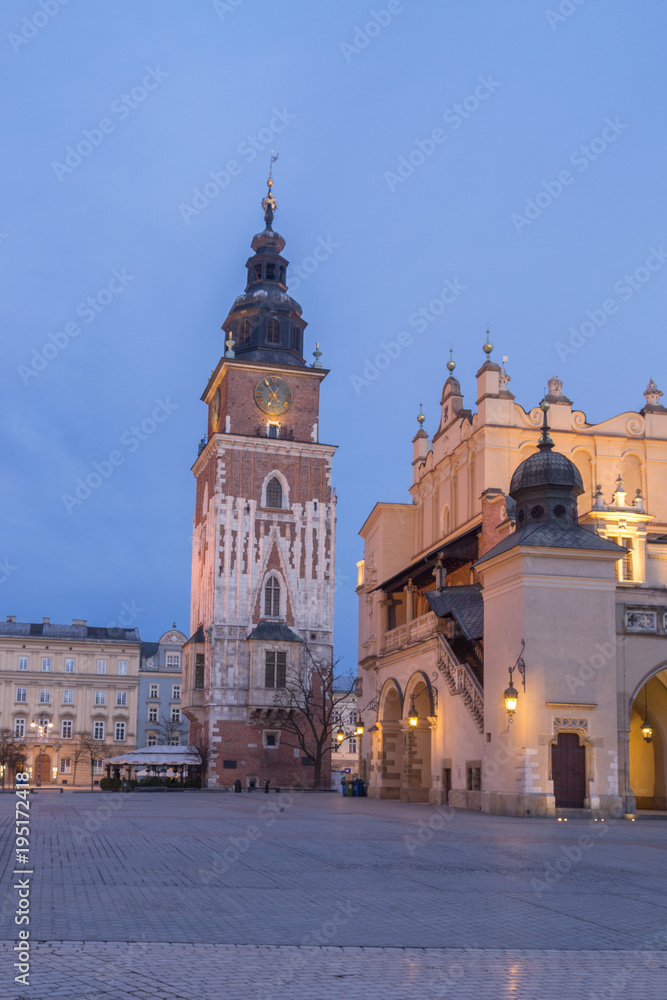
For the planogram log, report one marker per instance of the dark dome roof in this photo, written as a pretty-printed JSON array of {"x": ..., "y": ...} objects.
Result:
[{"x": 546, "y": 468}]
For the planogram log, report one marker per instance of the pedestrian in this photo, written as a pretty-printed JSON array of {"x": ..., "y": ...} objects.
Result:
[{"x": 266, "y": 785}]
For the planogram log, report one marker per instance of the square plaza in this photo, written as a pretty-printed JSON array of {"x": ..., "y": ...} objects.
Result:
[{"x": 316, "y": 895}]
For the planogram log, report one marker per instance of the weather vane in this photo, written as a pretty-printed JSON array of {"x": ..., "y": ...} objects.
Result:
[{"x": 269, "y": 202}]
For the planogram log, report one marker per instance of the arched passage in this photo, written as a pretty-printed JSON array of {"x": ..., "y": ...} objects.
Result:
[
  {"x": 416, "y": 784},
  {"x": 647, "y": 760},
  {"x": 387, "y": 744}
]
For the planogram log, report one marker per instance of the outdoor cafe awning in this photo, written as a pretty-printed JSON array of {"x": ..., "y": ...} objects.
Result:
[{"x": 158, "y": 756}]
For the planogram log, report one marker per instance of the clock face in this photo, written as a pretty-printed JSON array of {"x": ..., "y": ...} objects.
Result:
[
  {"x": 273, "y": 395},
  {"x": 215, "y": 410}
]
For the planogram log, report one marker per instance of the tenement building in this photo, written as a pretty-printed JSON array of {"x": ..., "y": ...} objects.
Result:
[
  {"x": 159, "y": 719},
  {"x": 513, "y": 615},
  {"x": 263, "y": 536},
  {"x": 68, "y": 697}
]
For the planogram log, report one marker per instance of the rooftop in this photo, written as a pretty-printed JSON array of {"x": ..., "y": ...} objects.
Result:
[{"x": 79, "y": 630}]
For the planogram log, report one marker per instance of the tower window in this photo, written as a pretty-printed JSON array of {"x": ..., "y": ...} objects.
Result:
[
  {"x": 274, "y": 493},
  {"x": 271, "y": 272},
  {"x": 273, "y": 331},
  {"x": 282, "y": 275},
  {"x": 258, "y": 272},
  {"x": 244, "y": 331},
  {"x": 272, "y": 598},
  {"x": 273, "y": 430},
  {"x": 296, "y": 338},
  {"x": 275, "y": 670}
]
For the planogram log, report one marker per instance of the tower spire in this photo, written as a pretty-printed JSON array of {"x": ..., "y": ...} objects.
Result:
[{"x": 545, "y": 443}]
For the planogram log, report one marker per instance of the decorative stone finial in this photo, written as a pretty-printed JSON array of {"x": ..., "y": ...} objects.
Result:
[
  {"x": 638, "y": 501},
  {"x": 619, "y": 493},
  {"x": 503, "y": 378},
  {"x": 598, "y": 499},
  {"x": 229, "y": 343},
  {"x": 488, "y": 346},
  {"x": 451, "y": 364},
  {"x": 545, "y": 443},
  {"x": 269, "y": 203},
  {"x": 317, "y": 354},
  {"x": 652, "y": 394},
  {"x": 555, "y": 386}
]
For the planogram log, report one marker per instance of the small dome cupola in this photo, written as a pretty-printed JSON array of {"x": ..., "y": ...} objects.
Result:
[
  {"x": 265, "y": 322},
  {"x": 546, "y": 485}
]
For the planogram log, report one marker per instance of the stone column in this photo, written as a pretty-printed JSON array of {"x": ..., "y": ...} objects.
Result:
[{"x": 410, "y": 591}]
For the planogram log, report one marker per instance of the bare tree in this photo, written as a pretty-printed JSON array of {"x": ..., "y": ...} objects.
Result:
[
  {"x": 12, "y": 752},
  {"x": 85, "y": 747},
  {"x": 168, "y": 729},
  {"x": 205, "y": 749},
  {"x": 310, "y": 709}
]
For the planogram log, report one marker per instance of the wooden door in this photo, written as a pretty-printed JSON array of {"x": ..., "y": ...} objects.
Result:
[
  {"x": 42, "y": 769},
  {"x": 568, "y": 766}
]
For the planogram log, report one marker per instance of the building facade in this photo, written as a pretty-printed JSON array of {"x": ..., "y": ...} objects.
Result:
[
  {"x": 544, "y": 555},
  {"x": 160, "y": 719},
  {"x": 263, "y": 536},
  {"x": 59, "y": 683},
  {"x": 345, "y": 758}
]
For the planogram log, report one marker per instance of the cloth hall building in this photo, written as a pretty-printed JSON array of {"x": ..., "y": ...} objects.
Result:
[{"x": 513, "y": 615}]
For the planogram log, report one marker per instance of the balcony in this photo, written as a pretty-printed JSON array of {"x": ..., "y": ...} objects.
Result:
[{"x": 415, "y": 631}]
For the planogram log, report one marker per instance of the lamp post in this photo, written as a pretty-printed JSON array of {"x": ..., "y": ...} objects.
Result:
[
  {"x": 359, "y": 732},
  {"x": 647, "y": 728},
  {"x": 511, "y": 695},
  {"x": 413, "y": 714},
  {"x": 43, "y": 729}
]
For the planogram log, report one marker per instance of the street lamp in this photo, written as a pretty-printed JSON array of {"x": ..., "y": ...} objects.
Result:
[
  {"x": 647, "y": 728},
  {"x": 511, "y": 695},
  {"x": 43, "y": 729},
  {"x": 413, "y": 715},
  {"x": 359, "y": 729},
  {"x": 340, "y": 735}
]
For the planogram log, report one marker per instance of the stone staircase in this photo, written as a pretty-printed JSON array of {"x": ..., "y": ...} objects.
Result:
[{"x": 461, "y": 679}]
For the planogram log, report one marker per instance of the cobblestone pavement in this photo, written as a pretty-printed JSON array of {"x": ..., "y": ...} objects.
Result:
[{"x": 308, "y": 896}]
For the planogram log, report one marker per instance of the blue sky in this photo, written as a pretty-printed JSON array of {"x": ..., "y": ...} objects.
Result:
[{"x": 484, "y": 107}]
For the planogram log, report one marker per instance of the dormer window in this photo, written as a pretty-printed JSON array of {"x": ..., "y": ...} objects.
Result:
[
  {"x": 270, "y": 272},
  {"x": 273, "y": 331}
]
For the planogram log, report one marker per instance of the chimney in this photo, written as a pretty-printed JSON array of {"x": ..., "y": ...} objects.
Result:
[
  {"x": 78, "y": 621},
  {"x": 12, "y": 619},
  {"x": 46, "y": 621}
]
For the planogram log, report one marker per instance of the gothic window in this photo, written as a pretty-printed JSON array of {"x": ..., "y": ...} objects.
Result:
[
  {"x": 271, "y": 272},
  {"x": 295, "y": 338},
  {"x": 274, "y": 493},
  {"x": 244, "y": 331},
  {"x": 273, "y": 331},
  {"x": 275, "y": 670},
  {"x": 258, "y": 272},
  {"x": 272, "y": 598}
]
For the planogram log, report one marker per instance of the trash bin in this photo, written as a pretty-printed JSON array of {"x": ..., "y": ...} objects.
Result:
[
  {"x": 342, "y": 783},
  {"x": 355, "y": 787},
  {"x": 349, "y": 787},
  {"x": 237, "y": 785}
]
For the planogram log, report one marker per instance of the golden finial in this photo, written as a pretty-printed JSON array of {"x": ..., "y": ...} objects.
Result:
[
  {"x": 488, "y": 346},
  {"x": 421, "y": 418},
  {"x": 451, "y": 364}
]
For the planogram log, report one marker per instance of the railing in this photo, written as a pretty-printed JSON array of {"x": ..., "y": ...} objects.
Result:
[
  {"x": 461, "y": 680},
  {"x": 414, "y": 631}
]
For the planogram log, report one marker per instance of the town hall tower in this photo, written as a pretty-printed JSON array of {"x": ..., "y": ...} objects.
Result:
[{"x": 263, "y": 534}]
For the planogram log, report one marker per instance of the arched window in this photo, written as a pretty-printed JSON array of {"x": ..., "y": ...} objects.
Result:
[
  {"x": 274, "y": 493},
  {"x": 270, "y": 272},
  {"x": 296, "y": 342},
  {"x": 282, "y": 275},
  {"x": 272, "y": 598},
  {"x": 244, "y": 331},
  {"x": 273, "y": 331},
  {"x": 258, "y": 272}
]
